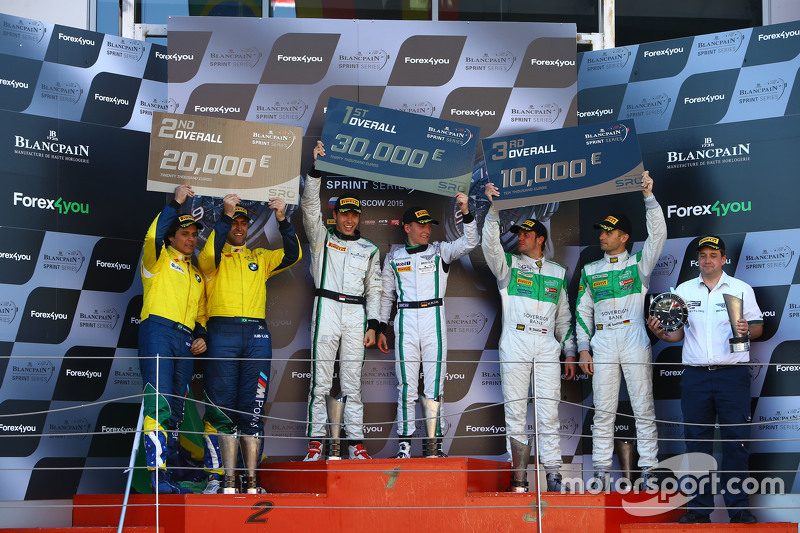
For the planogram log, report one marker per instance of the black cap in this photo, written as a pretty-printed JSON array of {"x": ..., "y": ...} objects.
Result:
[
  {"x": 419, "y": 215},
  {"x": 711, "y": 241},
  {"x": 241, "y": 212},
  {"x": 347, "y": 203},
  {"x": 184, "y": 221},
  {"x": 530, "y": 225},
  {"x": 615, "y": 221}
]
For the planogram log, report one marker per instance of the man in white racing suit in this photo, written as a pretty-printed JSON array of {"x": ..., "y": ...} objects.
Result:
[
  {"x": 609, "y": 321},
  {"x": 536, "y": 329},
  {"x": 417, "y": 275},
  {"x": 347, "y": 278}
]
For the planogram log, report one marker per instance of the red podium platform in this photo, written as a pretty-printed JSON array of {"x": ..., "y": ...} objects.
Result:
[{"x": 383, "y": 495}]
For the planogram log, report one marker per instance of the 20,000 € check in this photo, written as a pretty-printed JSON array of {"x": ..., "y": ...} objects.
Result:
[{"x": 218, "y": 156}]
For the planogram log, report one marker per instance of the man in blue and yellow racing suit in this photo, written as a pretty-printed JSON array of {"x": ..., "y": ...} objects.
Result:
[
  {"x": 536, "y": 329},
  {"x": 610, "y": 322},
  {"x": 240, "y": 346},
  {"x": 170, "y": 334}
]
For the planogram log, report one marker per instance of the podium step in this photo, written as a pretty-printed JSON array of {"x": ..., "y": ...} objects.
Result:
[
  {"x": 387, "y": 495},
  {"x": 771, "y": 527},
  {"x": 108, "y": 529}
]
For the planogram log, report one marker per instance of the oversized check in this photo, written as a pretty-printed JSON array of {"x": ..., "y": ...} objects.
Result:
[
  {"x": 565, "y": 164},
  {"x": 218, "y": 156},
  {"x": 380, "y": 144}
]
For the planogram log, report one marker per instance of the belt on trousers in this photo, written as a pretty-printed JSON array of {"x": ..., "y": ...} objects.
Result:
[
  {"x": 714, "y": 368},
  {"x": 339, "y": 297},
  {"x": 436, "y": 302},
  {"x": 170, "y": 323}
]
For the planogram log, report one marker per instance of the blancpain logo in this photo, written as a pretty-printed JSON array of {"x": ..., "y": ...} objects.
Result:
[
  {"x": 418, "y": 108},
  {"x": 147, "y": 107},
  {"x": 24, "y": 30},
  {"x": 539, "y": 113},
  {"x": 88, "y": 374},
  {"x": 615, "y": 133},
  {"x": 467, "y": 323},
  {"x": 76, "y": 40},
  {"x": 105, "y": 319},
  {"x": 71, "y": 260},
  {"x": 708, "y": 151},
  {"x": 175, "y": 57},
  {"x": 72, "y": 429},
  {"x": 8, "y": 311},
  {"x": 608, "y": 59},
  {"x": 720, "y": 44},
  {"x": 127, "y": 377},
  {"x": 371, "y": 60},
  {"x": 65, "y": 92},
  {"x": 788, "y": 420},
  {"x": 300, "y": 59},
  {"x": 116, "y": 100},
  {"x": 663, "y": 52},
  {"x": 665, "y": 265},
  {"x": 51, "y": 315},
  {"x": 34, "y": 372},
  {"x": 427, "y": 60},
  {"x": 777, "y": 257},
  {"x": 222, "y": 110},
  {"x": 279, "y": 139},
  {"x": 647, "y": 107},
  {"x": 243, "y": 57},
  {"x": 288, "y": 110},
  {"x": 595, "y": 113},
  {"x": 14, "y": 84},
  {"x": 552, "y": 62},
  {"x": 116, "y": 265},
  {"x": 51, "y": 148},
  {"x": 499, "y": 61},
  {"x": 459, "y": 136},
  {"x": 126, "y": 49},
  {"x": 707, "y": 99},
  {"x": 771, "y": 90}
]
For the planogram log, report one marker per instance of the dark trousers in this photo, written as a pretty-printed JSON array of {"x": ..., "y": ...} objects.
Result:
[{"x": 723, "y": 393}]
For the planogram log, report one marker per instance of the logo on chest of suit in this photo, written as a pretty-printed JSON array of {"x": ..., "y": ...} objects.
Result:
[
  {"x": 252, "y": 266},
  {"x": 176, "y": 267},
  {"x": 197, "y": 277},
  {"x": 523, "y": 281},
  {"x": 337, "y": 247},
  {"x": 427, "y": 267},
  {"x": 601, "y": 283}
]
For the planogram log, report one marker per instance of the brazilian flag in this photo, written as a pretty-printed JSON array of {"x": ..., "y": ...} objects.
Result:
[
  {"x": 226, "y": 8},
  {"x": 190, "y": 441}
]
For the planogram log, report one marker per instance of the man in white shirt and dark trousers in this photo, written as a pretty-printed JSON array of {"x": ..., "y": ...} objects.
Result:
[{"x": 716, "y": 382}]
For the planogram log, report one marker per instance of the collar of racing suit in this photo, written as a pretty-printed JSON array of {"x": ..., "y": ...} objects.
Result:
[
  {"x": 175, "y": 254},
  {"x": 415, "y": 249},
  {"x": 356, "y": 235}
]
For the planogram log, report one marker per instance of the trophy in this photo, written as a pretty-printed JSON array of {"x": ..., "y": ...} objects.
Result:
[
  {"x": 430, "y": 410},
  {"x": 520, "y": 456},
  {"x": 251, "y": 446},
  {"x": 335, "y": 416},
  {"x": 735, "y": 312},
  {"x": 671, "y": 310},
  {"x": 229, "y": 451}
]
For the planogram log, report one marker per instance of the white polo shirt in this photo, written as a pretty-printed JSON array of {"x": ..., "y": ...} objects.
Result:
[{"x": 706, "y": 339}]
